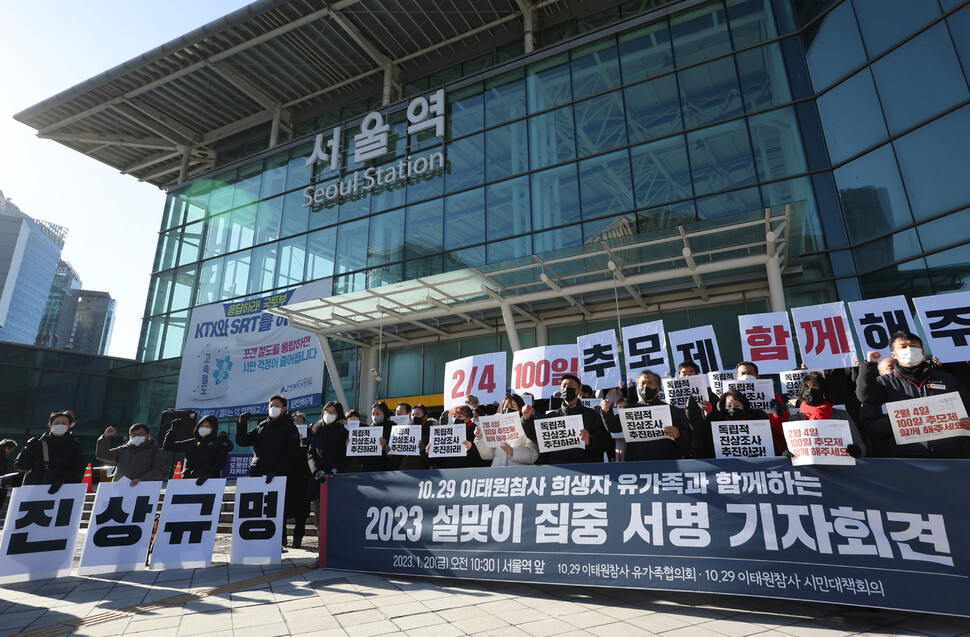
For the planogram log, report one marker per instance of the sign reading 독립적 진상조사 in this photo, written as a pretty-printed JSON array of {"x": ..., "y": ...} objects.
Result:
[{"x": 884, "y": 533}]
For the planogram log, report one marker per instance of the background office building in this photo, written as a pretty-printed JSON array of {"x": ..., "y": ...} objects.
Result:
[
  {"x": 30, "y": 251},
  {"x": 686, "y": 160},
  {"x": 65, "y": 278},
  {"x": 85, "y": 322}
]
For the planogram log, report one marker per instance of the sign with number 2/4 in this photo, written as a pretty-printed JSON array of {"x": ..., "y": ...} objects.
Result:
[{"x": 482, "y": 376}]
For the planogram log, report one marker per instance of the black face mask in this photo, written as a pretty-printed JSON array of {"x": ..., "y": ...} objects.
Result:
[
  {"x": 508, "y": 410},
  {"x": 733, "y": 413},
  {"x": 647, "y": 394},
  {"x": 569, "y": 394},
  {"x": 417, "y": 420},
  {"x": 813, "y": 396}
]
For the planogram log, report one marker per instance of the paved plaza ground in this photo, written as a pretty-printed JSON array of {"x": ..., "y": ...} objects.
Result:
[{"x": 295, "y": 598}]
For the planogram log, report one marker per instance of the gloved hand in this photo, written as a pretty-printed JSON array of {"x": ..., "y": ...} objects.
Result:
[
  {"x": 55, "y": 486},
  {"x": 788, "y": 454},
  {"x": 854, "y": 450},
  {"x": 269, "y": 477},
  {"x": 320, "y": 475},
  {"x": 777, "y": 407},
  {"x": 200, "y": 481},
  {"x": 243, "y": 420}
]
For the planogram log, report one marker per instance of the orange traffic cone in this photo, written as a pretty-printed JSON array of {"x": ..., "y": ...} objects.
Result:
[
  {"x": 178, "y": 471},
  {"x": 88, "y": 479}
]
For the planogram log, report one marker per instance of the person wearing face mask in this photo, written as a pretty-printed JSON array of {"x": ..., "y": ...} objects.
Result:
[
  {"x": 594, "y": 436},
  {"x": 815, "y": 404},
  {"x": 326, "y": 452},
  {"x": 732, "y": 405},
  {"x": 778, "y": 411},
  {"x": 55, "y": 457},
  {"x": 913, "y": 377},
  {"x": 138, "y": 459},
  {"x": 419, "y": 416},
  {"x": 461, "y": 415},
  {"x": 205, "y": 455},
  {"x": 673, "y": 447},
  {"x": 521, "y": 452}
]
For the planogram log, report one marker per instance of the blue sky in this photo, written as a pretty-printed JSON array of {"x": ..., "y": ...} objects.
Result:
[{"x": 47, "y": 47}]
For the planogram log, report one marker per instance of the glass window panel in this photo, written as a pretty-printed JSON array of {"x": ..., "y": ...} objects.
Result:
[
  {"x": 506, "y": 151},
  {"x": 175, "y": 331},
  {"x": 661, "y": 172},
  {"x": 552, "y": 137},
  {"x": 645, "y": 52},
  {"x": 191, "y": 243},
  {"x": 242, "y": 226},
  {"x": 555, "y": 197},
  {"x": 548, "y": 83},
  {"x": 777, "y": 144},
  {"x": 321, "y": 249},
  {"x": 436, "y": 357},
  {"x": 151, "y": 339},
  {"x": 174, "y": 210},
  {"x": 268, "y": 216},
  {"x": 609, "y": 228},
  {"x": 833, "y": 47},
  {"x": 295, "y": 215},
  {"x": 197, "y": 199},
  {"x": 508, "y": 208},
  {"x": 352, "y": 246},
  {"x": 600, "y": 124},
  {"x": 466, "y": 258},
  {"x": 274, "y": 176},
  {"x": 805, "y": 230},
  {"x": 899, "y": 246},
  {"x": 720, "y": 157},
  {"x": 465, "y": 160},
  {"x": 424, "y": 229},
  {"x": 165, "y": 252},
  {"x": 927, "y": 67},
  {"x": 385, "y": 275},
  {"x": 223, "y": 188},
  {"x": 709, "y": 92},
  {"x": 596, "y": 68},
  {"x": 606, "y": 185},
  {"x": 426, "y": 186},
  {"x": 598, "y": 19},
  {"x": 403, "y": 375},
  {"x": 505, "y": 97},
  {"x": 938, "y": 233},
  {"x": 463, "y": 219},
  {"x": 217, "y": 235},
  {"x": 297, "y": 172},
  {"x": 385, "y": 244},
  {"x": 347, "y": 283},
  {"x": 235, "y": 278},
  {"x": 517, "y": 248},
  {"x": 752, "y": 21},
  {"x": 465, "y": 111},
  {"x": 210, "y": 281},
  {"x": 326, "y": 213},
  {"x": 851, "y": 117},
  {"x": 247, "y": 185},
  {"x": 948, "y": 269},
  {"x": 885, "y": 22},
  {"x": 873, "y": 200},
  {"x": 262, "y": 271},
  {"x": 699, "y": 33},
  {"x": 292, "y": 261},
  {"x": 959, "y": 24},
  {"x": 556, "y": 33},
  {"x": 162, "y": 286},
  {"x": 910, "y": 278},
  {"x": 933, "y": 161},
  {"x": 423, "y": 267},
  {"x": 568, "y": 237},
  {"x": 390, "y": 193},
  {"x": 653, "y": 109},
  {"x": 354, "y": 206},
  {"x": 729, "y": 203},
  {"x": 764, "y": 82}
]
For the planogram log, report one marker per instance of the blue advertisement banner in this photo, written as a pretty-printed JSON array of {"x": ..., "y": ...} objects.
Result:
[{"x": 884, "y": 533}]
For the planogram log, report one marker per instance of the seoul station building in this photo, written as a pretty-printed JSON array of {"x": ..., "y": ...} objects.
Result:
[{"x": 477, "y": 175}]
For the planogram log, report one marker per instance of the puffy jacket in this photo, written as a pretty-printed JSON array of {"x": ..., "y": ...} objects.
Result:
[
  {"x": 327, "y": 447},
  {"x": 143, "y": 462},
  {"x": 276, "y": 447},
  {"x": 65, "y": 460},
  {"x": 204, "y": 456}
]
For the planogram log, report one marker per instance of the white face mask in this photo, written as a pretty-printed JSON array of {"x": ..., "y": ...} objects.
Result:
[
  {"x": 329, "y": 418},
  {"x": 59, "y": 430},
  {"x": 746, "y": 377},
  {"x": 378, "y": 419},
  {"x": 909, "y": 356},
  {"x": 274, "y": 412},
  {"x": 138, "y": 440},
  {"x": 205, "y": 431},
  {"x": 353, "y": 423}
]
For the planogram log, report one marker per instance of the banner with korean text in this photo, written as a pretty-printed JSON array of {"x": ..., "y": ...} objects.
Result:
[
  {"x": 598, "y": 360},
  {"x": 876, "y": 320},
  {"x": 39, "y": 532},
  {"x": 482, "y": 376},
  {"x": 766, "y": 340},
  {"x": 823, "y": 335},
  {"x": 539, "y": 370},
  {"x": 946, "y": 322},
  {"x": 645, "y": 349},
  {"x": 884, "y": 533},
  {"x": 698, "y": 344}
]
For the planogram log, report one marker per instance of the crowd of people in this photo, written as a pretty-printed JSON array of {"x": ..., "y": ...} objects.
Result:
[{"x": 857, "y": 395}]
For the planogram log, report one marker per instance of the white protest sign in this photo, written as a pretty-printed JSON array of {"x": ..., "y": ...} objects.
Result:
[
  {"x": 792, "y": 379},
  {"x": 698, "y": 344},
  {"x": 447, "y": 441},
  {"x": 742, "y": 439},
  {"x": 120, "y": 527},
  {"x": 677, "y": 391},
  {"x": 557, "y": 434},
  {"x": 39, "y": 532},
  {"x": 482, "y": 376},
  {"x": 501, "y": 428},
  {"x": 539, "y": 370},
  {"x": 876, "y": 320},
  {"x": 303, "y": 430},
  {"x": 186, "y": 530},
  {"x": 643, "y": 424},
  {"x": 717, "y": 380},
  {"x": 365, "y": 441},
  {"x": 257, "y": 525},
  {"x": 946, "y": 323},
  {"x": 766, "y": 340},
  {"x": 925, "y": 419},
  {"x": 401, "y": 420},
  {"x": 819, "y": 441},
  {"x": 590, "y": 403},
  {"x": 405, "y": 440},
  {"x": 598, "y": 360},
  {"x": 759, "y": 393},
  {"x": 823, "y": 335},
  {"x": 645, "y": 349}
]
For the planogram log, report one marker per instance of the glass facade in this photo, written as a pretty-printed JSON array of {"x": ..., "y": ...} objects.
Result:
[{"x": 708, "y": 114}]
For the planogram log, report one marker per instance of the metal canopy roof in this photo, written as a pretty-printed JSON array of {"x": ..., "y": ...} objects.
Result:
[
  {"x": 686, "y": 258},
  {"x": 273, "y": 58}
]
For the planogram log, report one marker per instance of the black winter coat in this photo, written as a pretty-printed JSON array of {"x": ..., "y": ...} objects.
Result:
[
  {"x": 66, "y": 460},
  {"x": 327, "y": 447},
  {"x": 276, "y": 447},
  {"x": 663, "y": 448},
  {"x": 204, "y": 456},
  {"x": 473, "y": 459},
  {"x": 415, "y": 463},
  {"x": 600, "y": 440}
]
